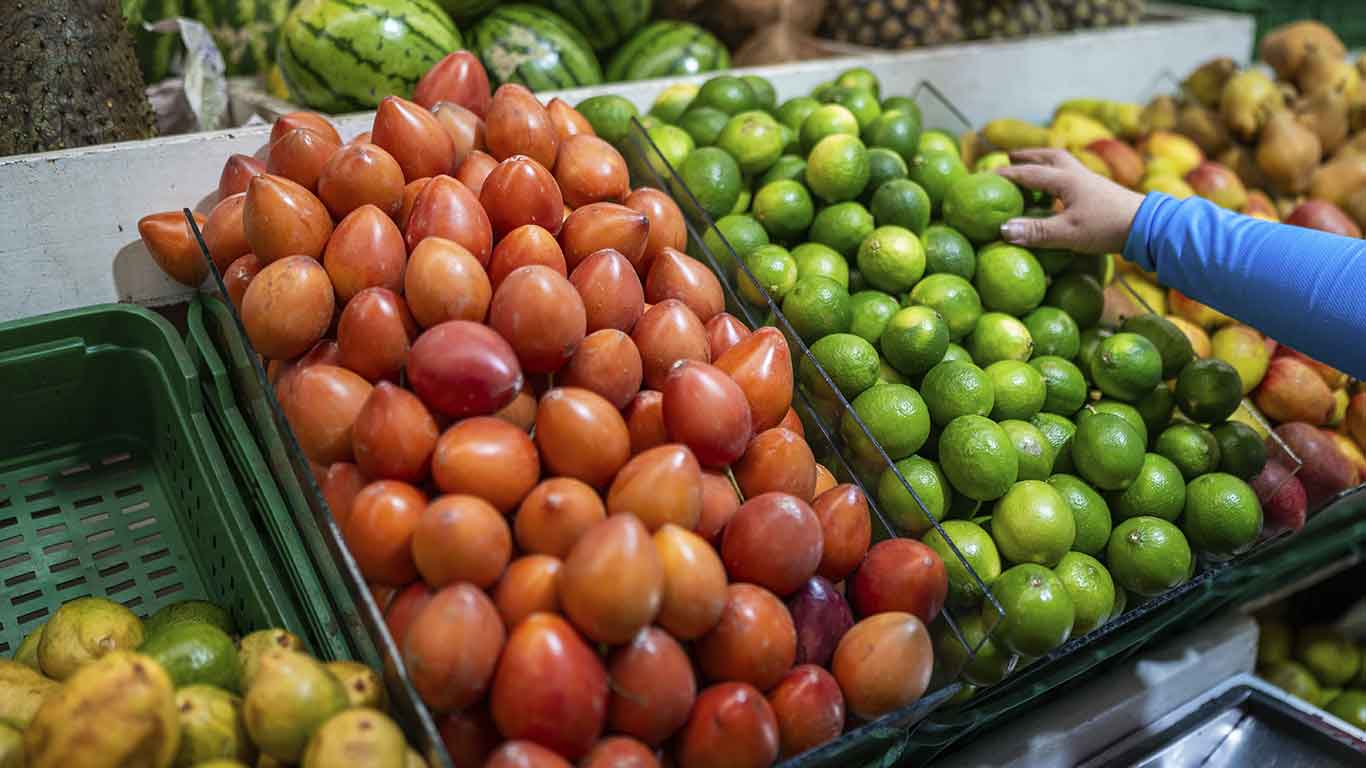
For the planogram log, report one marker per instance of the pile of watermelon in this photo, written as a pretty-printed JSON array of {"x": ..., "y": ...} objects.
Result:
[{"x": 245, "y": 32}]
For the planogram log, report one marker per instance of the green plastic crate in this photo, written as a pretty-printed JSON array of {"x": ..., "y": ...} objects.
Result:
[
  {"x": 1346, "y": 17},
  {"x": 111, "y": 482}
]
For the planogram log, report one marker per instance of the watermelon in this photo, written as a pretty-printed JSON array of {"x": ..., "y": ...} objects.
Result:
[
  {"x": 346, "y": 55},
  {"x": 467, "y": 10},
  {"x": 604, "y": 22},
  {"x": 155, "y": 50},
  {"x": 528, "y": 44},
  {"x": 667, "y": 48},
  {"x": 244, "y": 31}
]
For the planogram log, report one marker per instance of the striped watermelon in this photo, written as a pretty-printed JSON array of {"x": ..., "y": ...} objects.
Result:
[
  {"x": 667, "y": 48},
  {"x": 155, "y": 50},
  {"x": 466, "y": 10},
  {"x": 528, "y": 44},
  {"x": 604, "y": 22},
  {"x": 245, "y": 32},
  {"x": 346, "y": 55}
]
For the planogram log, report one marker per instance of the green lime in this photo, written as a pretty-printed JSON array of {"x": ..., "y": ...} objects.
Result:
[
  {"x": 674, "y": 145},
  {"x": 1116, "y": 408},
  {"x": 785, "y": 168},
  {"x": 1038, "y": 611},
  {"x": 1126, "y": 366},
  {"x": 785, "y": 209},
  {"x": 979, "y": 203},
  {"x": 894, "y": 414},
  {"x": 673, "y": 101},
  {"x": 794, "y": 112},
  {"x": 742, "y": 202},
  {"x": 977, "y": 548},
  {"x": 1208, "y": 390},
  {"x": 884, "y": 166},
  {"x": 930, "y": 485},
  {"x": 953, "y": 655},
  {"x": 1148, "y": 555},
  {"x": 753, "y": 139},
  {"x": 1173, "y": 345},
  {"x": 843, "y": 227},
  {"x": 896, "y": 130},
  {"x": 957, "y": 388},
  {"x": 914, "y": 340},
  {"x": 998, "y": 337},
  {"x": 737, "y": 234},
  {"x": 948, "y": 252},
  {"x": 1079, "y": 296},
  {"x": 1091, "y": 588},
  {"x": 1274, "y": 640},
  {"x": 891, "y": 259},
  {"x": 816, "y": 259},
  {"x": 1101, "y": 267},
  {"x": 713, "y": 177},
  {"x": 1054, "y": 332},
  {"x": 704, "y": 124},
  {"x": 936, "y": 172},
  {"x": 1054, "y": 262},
  {"x": 902, "y": 104},
  {"x": 610, "y": 115},
  {"x": 826, "y": 120},
  {"x": 1192, "y": 448},
  {"x": 816, "y": 307},
  {"x": 953, "y": 298},
  {"x": 1036, "y": 453},
  {"x": 1090, "y": 342},
  {"x": 201, "y": 611},
  {"x": 991, "y": 161},
  {"x": 889, "y": 375},
  {"x": 1107, "y": 451},
  {"x": 727, "y": 93},
  {"x": 978, "y": 457},
  {"x": 1032, "y": 524},
  {"x": 903, "y": 203},
  {"x": 1329, "y": 654},
  {"x": 863, "y": 104},
  {"x": 774, "y": 269},
  {"x": 1090, "y": 513},
  {"x": 1242, "y": 452},
  {"x": 956, "y": 353},
  {"x": 870, "y": 310},
  {"x": 849, "y": 360},
  {"x": 1158, "y": 491},
  {"x": 1019, "y": 388},
  {"x": 1064, "y": 386},
  {"x": 1293, "y": 678},
  {"x": 935, "y": 141},
  {"x": 1222, "y": 514},
  {"x": 195, "y": 653},
  {"x": 837, "y": 168},
  {"x": 861, "y": 78},
  {"x": 1350, "y": 707},
  {"x": 1009, "y": 279},
  {"x": 649, "y": 122},
  {"x": 766, "y": 97},
  {"x": 1155, "y": 408},
  {"x": 1059, "y": 431}
]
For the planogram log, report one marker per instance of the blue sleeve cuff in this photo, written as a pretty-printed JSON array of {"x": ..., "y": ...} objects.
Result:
[{"x": 1136, "y": 246}]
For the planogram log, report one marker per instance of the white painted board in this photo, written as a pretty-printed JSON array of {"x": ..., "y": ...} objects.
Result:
[{"x": 68, "y": 220}]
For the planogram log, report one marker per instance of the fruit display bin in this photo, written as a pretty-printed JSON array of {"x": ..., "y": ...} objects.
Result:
[{"x": 112, "y": 483}]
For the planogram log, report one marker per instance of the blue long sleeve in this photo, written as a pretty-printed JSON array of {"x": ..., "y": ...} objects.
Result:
[{"x": 1299, "y": 286}]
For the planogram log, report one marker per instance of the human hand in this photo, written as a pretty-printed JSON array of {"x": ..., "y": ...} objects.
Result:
[{"x": 1097, "y": 212}]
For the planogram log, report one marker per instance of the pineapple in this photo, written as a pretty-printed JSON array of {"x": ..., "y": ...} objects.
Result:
[
  {"x": 1089, "y": 14},
  {"x": 893, "y": 23},
  {"x": 1007, "y": 18}
]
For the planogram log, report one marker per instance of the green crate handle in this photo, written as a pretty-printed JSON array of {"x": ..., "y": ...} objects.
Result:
[{"x": 62, "y": 360}]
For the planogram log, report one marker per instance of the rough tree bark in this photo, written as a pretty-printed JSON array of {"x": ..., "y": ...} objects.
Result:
[{"x": 68, "y": 77}]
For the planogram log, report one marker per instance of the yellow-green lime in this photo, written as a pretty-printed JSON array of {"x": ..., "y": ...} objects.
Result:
[
  {"x": 1032, "y": 524},
  {"x": 1148, "y": 555},
  {"x": 1036, "y": 454},
  {"x": 610, "y": 115},
  {"x": 953, "y": 298},
  {"x": 837, "y": 168},
  {"x": 1293, "y": 678},
  {"x": 816, "y": 259},
  {"x": 713, "y": 177},
  {"x": 915, "y": 340},
  {"x": 1222, "y": 514},
  {"x": 896, "y": 416},
  {"x": 1350, "y": 707},
  {"x": 978, "y": 457},
  {"x": 1090, "y": 342},
  {"x": 727, "y": 93},
  {"x": 785, "y": 168},
  {"x": 999, "y": 336},
  {"x": 979, "y": 203},
  {"x": 849, "y": 360},
  {"x": 861, "y": 103},
  {"x": 843, "y": 227},
  {"x": 1078, "y": 295},
  {"x": 673, "y": 101},
  {"x": 817, "y": 306},
  {"x": 1019, "y": 389},
  {"x": 889, "y": 375},
  {"x": 1172, "y": 345},
  {"x": 957, "y": 388},
  {"x": 896, "y": 130},
  {"x": 201, "y": 611},
  {"x": 903, "y": 203},
  {"x": 826, "y": 120},
  {"x": 1091, "y": 588},
  {"x": 793, "y": 112},
  {"x": 947, "y": 251},
  {"x": 1116, "y": 408},
  {"x": 1053, "y": 261},
  {"x": 1058, "y": 431},
  {"x": 870, "y": 312},
  {"x": 1090, "y": 513},
  {"x": 1192, "y": 448},
  {"x": 736, "y": 234},
  {"x": 977, "y": 548},
  {"x": 1064, "y": 386},
  {"x": 992, "y": 662},
  {"x": 884, "y": 165},
  {"x": 785, "y": 210},
  {"x": 764, "y": 94},
  {"x": 1158, "y": 491},
  {"x": 936, "y": 141},
  {"x": 704, "y": 124},
  {"x": 1329, "y": 654},
  {"x": 1038, "y": 611},
  {"x": 1126, "y": 366},
  {"x": 936, "y": 172},
  {"x": 901, "y": 104},
  {"x": 1107, "y": 451},
  {"x": 1274, "y": 640},
  {"x": 956, "y": 353},
  {"x": 775, "y": 271},
  {"x": 897, "y": 503},
  {"x": 891, "y": 259},
  {"x": 1054, "y": 332},
  {"x": 674, "y": 145},
  {"x": 1208, "y": 390},
  {"x": 753, "y": 139},
  {"x": 859, "y": 77},
  {"x": 742, "y": 202},
  {"x": 1009, "y": 279},
  {"x": 195, "y": 653},
  {"x": 1156, "y": 408},
  {"x": 991, "y": 161},
  {"x": 1242, "y": 452}
]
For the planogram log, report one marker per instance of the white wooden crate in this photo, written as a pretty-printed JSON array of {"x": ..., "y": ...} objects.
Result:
[{"x": 68, "y": 220}]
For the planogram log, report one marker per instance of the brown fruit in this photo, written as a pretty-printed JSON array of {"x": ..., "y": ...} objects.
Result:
[
  {"x": 1286, "y": 47},
  {"x": 321, "y": 405},
  {"x": 777, "y": 460},
  {"x": 238, "y": 276},
  {"x": 340, "y": 486},
  {"x": 706, "y": 410},
  {"x": 460, "y": 368},
  {"x": 555, "y": 515},
  {"x": 619, "y": 752},
  {"x": 659, "y": 486},
  {"x": 675, "y": 275},
  {"x": 695, "y": 592},
  {"x": 283, "y": 219},
  {"x": 489, "y": 458},
  {"x": 393, "y": 435},
  {"x": 529, "y": 585},
  {"x": 379, "y": 533},
  {"x": 612, "y": 581},
  {"x": 173, "y": 246},
  {"x": 410, "y": 192},
  {"x": 774, "y": 541},
  {"x": 525, "y": 246},
  {"x": 883, "y": 664},
  {"x": 361, "y": 174},
  {"x": 607, "y": 362},
  {"x": 755, "y": 642},
  {"x": 444, "y": 281},
  {"x": 414, "y": 137},
  {"x": 465, "y": 128},
  {"x": 476, "y": 168},
  {"x": 1285, "y": 505},
  {"x": 404, "y": 608},
  {"x": 521, "y": 412},
  {"x": 237, "y": 173},
  {"x": 731, "y": 725},
  {"x": 900, "y": 575},
  {"x": 581, "y": 435},
  {"x": 1325, "y": 472},
  {"x": 447, "y": 208},
  {"x": 1293, "y": 391},
  {"x": 458, "y": 78},
  {"x": 667, "y": 228},
  {"x": 724, "y": 331},
  {"x": 287, "y": 307},
  {"x": 521, "y": 191},
  {"x": 596, "y": 226},
  {"x": 720, "y": 502},
  {"x": 567, "y": 121},
  {"x": 761, "y": 364},
  {"x": 375, "y": 333},
  {"x": 653, "y": 687},
  {"x": 517, "y": 124},
  {"x": 303, "y": 119},
  {"x": 824, "y": 479},
  {"x": 809, "y": 708},
  {"x": 224, "y": 232},
  {"x": 461, "y": 538},
  {"x": 611, "y": 291},
  {"x": 645, "y": 421},
  {"x": 589, "y": 170},
  {"x": 1288, "y": 153},
  {"x": 451, "y": 676},
  {"x": 1323, "y": 216},
  {"x": 365, "y": 251},
  {"x": 541, "y": 315},
  {"x": 846, "y": 530},
  {"x": 524, "y": 754},
  {"x": 299, "y": 155},
  {"x": 667, "y": 333}
]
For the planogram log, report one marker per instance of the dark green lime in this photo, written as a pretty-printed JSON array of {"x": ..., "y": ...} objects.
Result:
[
  {"x": 1242, "y": 452},
  {"x": 1079, "y": 296},
  {"x": 1054, "y": 332},
  {"x": 1064, "y": 385}
]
